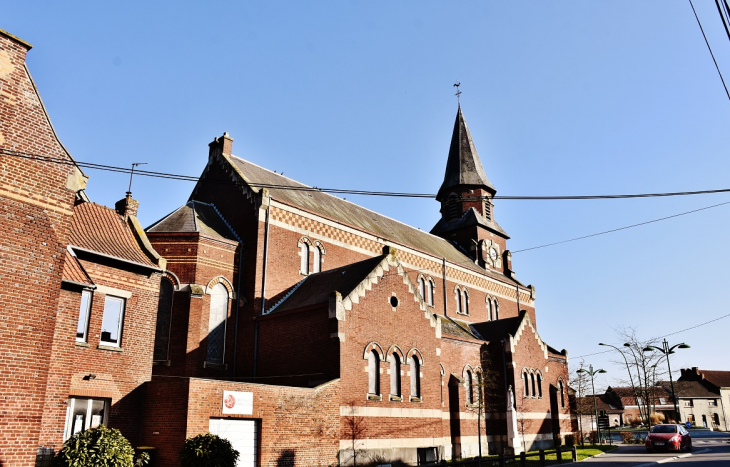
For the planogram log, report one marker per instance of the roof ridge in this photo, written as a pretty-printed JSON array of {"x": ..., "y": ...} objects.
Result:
[
  {"x": 225, "y": 222},
  {"x": 285, "y": 297}
]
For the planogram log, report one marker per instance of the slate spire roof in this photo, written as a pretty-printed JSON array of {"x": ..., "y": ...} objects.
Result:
[
  {"x": 463, "y": 166},
  {"x": 196, "y": 216}
]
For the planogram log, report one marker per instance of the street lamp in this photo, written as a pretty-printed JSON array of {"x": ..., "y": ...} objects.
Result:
[
  {"x": 631, "y": 378},
  {"x": 593, "y": 388},
  {"x": 667, "y": 351}
]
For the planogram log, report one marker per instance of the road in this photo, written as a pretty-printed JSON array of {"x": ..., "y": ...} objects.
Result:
[{"x": 711, "y": 449}]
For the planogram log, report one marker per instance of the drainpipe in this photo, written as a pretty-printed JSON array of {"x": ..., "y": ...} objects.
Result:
[
  {"x": 506, "y": 392},
  {"x": 518, "y": 299},
  {"x": 443, "y": 274},
  {"x": 238, "y": 305},
  {"x": 263, "y": 285}
]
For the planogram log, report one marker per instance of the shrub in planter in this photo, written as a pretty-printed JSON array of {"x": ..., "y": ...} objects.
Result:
[
  {"x": 627, "y": 437},
  {"x": 570, "y": 440},
  {"x": 98, "y": 447},
  {"x": 208, "y": 450}
]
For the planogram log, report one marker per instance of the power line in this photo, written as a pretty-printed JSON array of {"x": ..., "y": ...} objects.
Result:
[
  {"x": 710, "y": 49},
  {"x": 622, "y": 228},
  {"x": 190, "y": 178}
]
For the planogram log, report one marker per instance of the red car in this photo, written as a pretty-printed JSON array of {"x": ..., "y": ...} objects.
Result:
[{"x": 668, "y": 437}]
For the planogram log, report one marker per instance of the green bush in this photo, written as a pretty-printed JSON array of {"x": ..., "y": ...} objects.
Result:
[
  {"x": 98, "y": 447},
  {"x": 208, "y": 450}
]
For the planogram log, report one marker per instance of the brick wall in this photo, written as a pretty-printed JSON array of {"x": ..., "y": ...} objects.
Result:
[{"x": 35, "y": 205}]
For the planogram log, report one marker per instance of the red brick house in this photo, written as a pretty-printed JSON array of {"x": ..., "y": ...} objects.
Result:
[
  {"x": 81, "y": 287},
  {"x": 401, "y": 337}
]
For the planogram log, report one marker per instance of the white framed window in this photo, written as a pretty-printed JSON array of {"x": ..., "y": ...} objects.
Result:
[
  {"x": 84, "y": 413},
  {"x": 82, "y": 328},
  {"x": 469, "y": 387},
  {"x": 113, "y": 321},
  {"x": 374, "y": 372},
  {"x": 489, "y": 310},
  {"x": 164, "y": 319},
  {"x": 525, "y": 379},
  {"x": 394, "y": 375},
  {"x": 422, "y": 287},
  {"x": 495, "y": 308},
  {"x": 539, "y": 385},
  {"x": 217, "y": 323},
  {"x": 304, "y": 251},
  {"x": 431, "y": 287},
  {"x": 415, "y": 377},
  {"x": 316, "y": 259}
]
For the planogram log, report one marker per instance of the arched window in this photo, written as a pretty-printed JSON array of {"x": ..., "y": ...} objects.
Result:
[
  {"x": 562, "y": 397},
  {"x": 458, "y": 300},
  {"x": 415, "y": 377},
  {"x": 489, "y": 310},
  {"x": 217, "y": 323},
  {"x": 164, "y": 317},
  {"x": 430, "y": 291},
  {"x": 317, "y": 259},
  {"x": 480, "y": 387},
  {"x": 525, "y": 378},
  {"x": 495, "y": 306},
  {"x": 305, "y": 258},
  {"x": 469, "y": 388},
  {"x": 534, "y": 388},
  {"x": 374, "y": 372},
  {"x": 539, "y": 385},
  {"x": 465, "y": 303},
  {"x": 394, "y": 374},
  {"x": 422, "y": 287}
]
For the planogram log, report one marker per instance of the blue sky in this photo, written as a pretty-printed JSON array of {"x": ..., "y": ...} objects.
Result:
[{"x": 562, "y": 97}]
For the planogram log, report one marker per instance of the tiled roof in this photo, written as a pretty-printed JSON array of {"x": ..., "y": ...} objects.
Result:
[
  {"x": 351, "y": 214},
  {"x": 195, "y": 216},
  {"x": 103, "y": 230},
  {"x": 317, "y": 288},
  {"x": 718, "y": 378},
  {"x": 602, "y": 403},
  {"x": 74, "y": 272}
]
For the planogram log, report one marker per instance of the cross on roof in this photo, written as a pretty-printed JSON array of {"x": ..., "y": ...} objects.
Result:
[{"x": 458, "y": 92}]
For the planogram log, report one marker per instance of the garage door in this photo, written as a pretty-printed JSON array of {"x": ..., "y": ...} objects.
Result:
[{"x": 242, "y": 434}]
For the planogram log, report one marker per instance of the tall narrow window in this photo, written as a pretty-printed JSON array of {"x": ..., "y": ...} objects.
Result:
[
  {"x": 534, "y": 389},
  {"x": 82, "y": 328},
  {"x": 394, "y": 375},
  {"x": 525, "y": 377},
  {"x": 469, "y": 388},
  {"x": 317, "y": 259},
  {"x": 562, "y": 397},
  {"x": 422, "y": 287},
  {"x": 374, "y": 372},
  {"x": 465, "y": 302},
  {"x": 480, "y": 387},
  {"x": 539, "y": 386},
  {"x": 217, "y": 323},
  {"x": 164, "y": 317},
  {"x": 496, "y": 309},
  {"x": 489, "y": 310},
  {"x": 458, "y": 301},
  {"x": 112, "y": 322},
  {"x": 305, "y": 258},
  {"x": 430, "y": 291},
  {"x": 415, "y": 377}
]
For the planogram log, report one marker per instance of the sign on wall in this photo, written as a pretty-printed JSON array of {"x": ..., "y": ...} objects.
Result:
[{"x": 237, "y": 403}]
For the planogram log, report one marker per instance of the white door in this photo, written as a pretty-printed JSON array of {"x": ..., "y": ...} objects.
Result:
[{"x": 242, "y": 434}]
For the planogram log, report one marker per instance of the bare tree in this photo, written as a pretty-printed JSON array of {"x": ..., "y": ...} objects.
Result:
[
  {"x": 640, "y": 367},
  {"x": 580, "y": 383}
]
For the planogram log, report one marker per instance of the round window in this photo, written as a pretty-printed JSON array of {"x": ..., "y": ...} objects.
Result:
[{"x": 394, "y": 301}]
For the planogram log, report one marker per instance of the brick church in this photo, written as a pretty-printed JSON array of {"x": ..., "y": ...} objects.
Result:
[{"x": 306, "y": 329}]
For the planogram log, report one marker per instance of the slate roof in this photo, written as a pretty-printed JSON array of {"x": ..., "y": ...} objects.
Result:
[
  {"x": 463, "y": 166},
  {"x": 718, "y": 378},
  {"x": 289, "y": 192},
  {"x": 101, "y": 229},
  {"x": 498, "y": 329},
  {"x": 317, "y": 288},
  {"x": 74, "y": 272},
  {"x": 195, "y": 216},
  {"x": 457, "y": 328},
  {"x": 470, "y": 218},
  {"x": 689, "y": 389}
]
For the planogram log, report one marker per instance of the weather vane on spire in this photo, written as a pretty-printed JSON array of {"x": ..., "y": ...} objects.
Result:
[{"x": 458, "y": 92}]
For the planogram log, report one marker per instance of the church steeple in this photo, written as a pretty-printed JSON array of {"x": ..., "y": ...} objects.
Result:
[
  {"x": 463, "y": 167},
  {"x": 466, "y": 201}
]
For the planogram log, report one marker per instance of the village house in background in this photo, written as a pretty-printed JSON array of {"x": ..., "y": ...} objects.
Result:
[
  {"x": 306, "y": 329},
  {"x": 704, "y": 397}
]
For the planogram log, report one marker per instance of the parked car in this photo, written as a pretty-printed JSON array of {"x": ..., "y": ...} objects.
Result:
[{"x": 668, "y": 437}]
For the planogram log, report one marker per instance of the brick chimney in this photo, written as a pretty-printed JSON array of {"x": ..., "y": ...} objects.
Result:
[
  {"x": 221, "y": 145},
  {"x": 127, "y": 206}
]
